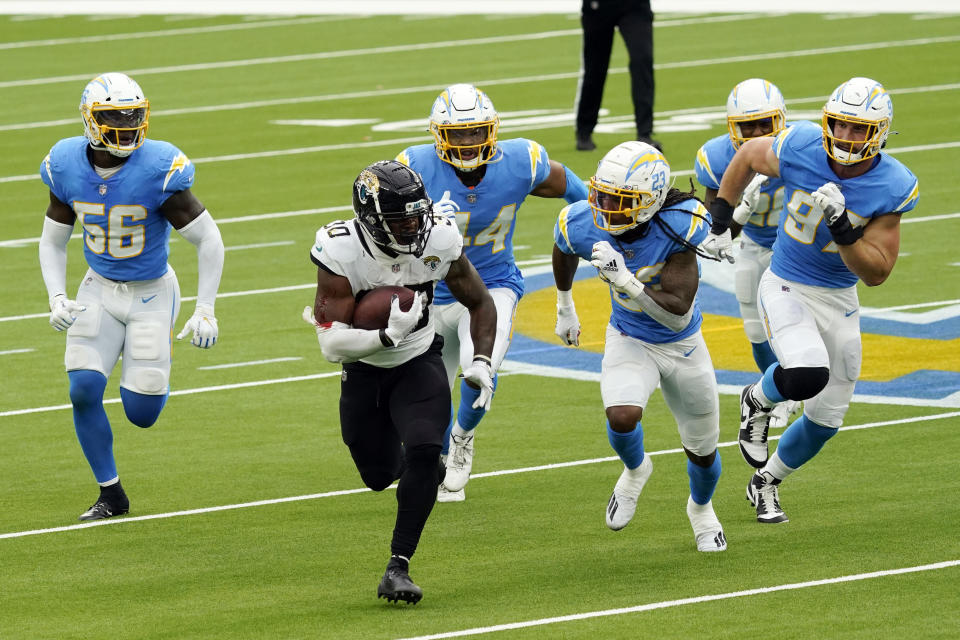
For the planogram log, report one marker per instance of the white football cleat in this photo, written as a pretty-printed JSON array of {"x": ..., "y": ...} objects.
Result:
[
  {"x": 623, "y": 501},
  {"x": 459, "y": 462},
  {"x": 706, "y": 527},
  {"x": 783, "y": 412},
  {"x": 450, "y": 496}
]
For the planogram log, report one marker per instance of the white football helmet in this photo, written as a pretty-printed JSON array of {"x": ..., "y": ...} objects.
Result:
[
  {"x": 857, "y": 102},
  {"x": 465, "y": 114},
  {"x": 115, "y": 113},
  {"x": 631, "y": 183},
  {"x": 751, "y": 100}
]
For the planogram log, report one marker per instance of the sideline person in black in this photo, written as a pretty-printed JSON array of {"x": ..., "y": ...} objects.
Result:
[{"x": 634, "y": 19}]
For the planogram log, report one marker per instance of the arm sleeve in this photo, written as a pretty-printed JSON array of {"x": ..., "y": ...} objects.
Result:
[
  {"x": 53, "y": 256},
  {"x": 203, "y": 233},
  {"x": 576, "y": 189},
  {"x": 340, "y": 342}
]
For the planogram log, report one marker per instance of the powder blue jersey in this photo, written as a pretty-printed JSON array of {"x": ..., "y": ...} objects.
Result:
[
  {"x": 713, "y": 158},
  {"x": 575, "y": 234},
  {"x": 125, "y": 237},
  {"x": 487, "y": 216},
  {"x": 805, "y": 251}
]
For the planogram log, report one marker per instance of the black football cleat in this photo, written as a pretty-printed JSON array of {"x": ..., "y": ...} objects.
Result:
[
  {"x": 397, "y": 585},
  {"x": 112, "y": 502}
]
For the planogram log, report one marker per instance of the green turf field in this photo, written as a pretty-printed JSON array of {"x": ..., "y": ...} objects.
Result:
[{"x": 247, "y": 515}]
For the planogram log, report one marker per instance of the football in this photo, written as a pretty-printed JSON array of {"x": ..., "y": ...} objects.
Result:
[{"x": 372, "y": 310}]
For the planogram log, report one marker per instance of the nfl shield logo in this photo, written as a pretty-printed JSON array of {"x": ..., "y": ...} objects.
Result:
[
  {"x": 472, "y": 198},
  {"x": 396, "y": 268},
  {"x": 103, "y": 189}
]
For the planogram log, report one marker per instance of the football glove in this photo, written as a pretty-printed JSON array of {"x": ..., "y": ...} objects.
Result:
[
  {"x": 445, "y": 206},
  {"x": 480, "y": 373},
  {"x": 750, "y": 200},
  {"x": 63, "y": 312},
  {"x": 610, "y": 265},
  {"x": 833, "y": 205},
  {"x": 401, "y": 323},
  {"x": 719, "y": 247},
  {"x": 568, "y": 325},
  {"x": 201, "y": 327}
]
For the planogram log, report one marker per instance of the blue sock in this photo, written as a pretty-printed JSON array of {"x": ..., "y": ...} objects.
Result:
[
  {"x": 703, "y": 480},
  {"x": 467, "y": 417},
  {"x": 141, "y": 409},
  {"x": 763, "y": 355},
  {"x": 629, "y": 446},
  {"x": 769, "y": 386},
  {"x": 802, "y": 440},
  {"x": 90, "y": 422}
]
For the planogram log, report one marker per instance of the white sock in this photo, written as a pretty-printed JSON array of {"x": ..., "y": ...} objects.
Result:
[
  {"x": 776, "y": 467},
  {"x": 757, "y": 394}
]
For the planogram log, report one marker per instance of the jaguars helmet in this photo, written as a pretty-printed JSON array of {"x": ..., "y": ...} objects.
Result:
[
  {"x": 392, "y": 206},
  {"x": 863, "y": 102},
  {"x": 115, "y": 114},
  {"x": 751, "y": 100},
  {"x": 464, "y": 125},
  {"x": 632, "y": 181}
]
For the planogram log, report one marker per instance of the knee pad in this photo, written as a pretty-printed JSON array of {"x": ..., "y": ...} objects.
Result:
[
  {"x": 86, "y": 387},
  {"x": 141, "y": 409},
  {"x": 754, "y": 330},
  {"x": 376, "y": 479},
  {"x": 801, "y": 383},
  {"x": 151, "y": 381},
  {"x": 422, "y": 456}
]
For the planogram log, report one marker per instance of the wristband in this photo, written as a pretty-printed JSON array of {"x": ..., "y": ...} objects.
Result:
[
  {"x": 483, "y": 358},
  {"x": 385, "y": 339},
  {"x": 721, "y": 214},
  {"x": 843, "y": 232}
]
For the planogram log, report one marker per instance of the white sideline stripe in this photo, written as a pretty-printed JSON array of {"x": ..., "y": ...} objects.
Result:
[
  {"x": 665, "y": 604},
  {"x": 305, "y": 57},
  {"x": 250, "y": 363},
  {"x": 165, "y": 32},
  {"x": 259, "y": 245},
  {"x": 11, "y": 351},
  {"x": 185, "y": 392},
  {"x": 491, "y": 474}
]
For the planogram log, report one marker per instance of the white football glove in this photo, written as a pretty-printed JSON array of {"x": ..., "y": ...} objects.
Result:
[
  {"x": 445, "y": 206},
  {"x": 830, "y": 201},
  {"x": 201, "y": 327},
  {"x": 63, "y": 312},
  {"x": 610, "y": 265},
  {"x": 750, "y": 200},
  {"x": 401, "y": 323},
  {"x": 719, "y": 247},
  {"x": 481, "y": 374},
  {"x": 568, "y": 325}
]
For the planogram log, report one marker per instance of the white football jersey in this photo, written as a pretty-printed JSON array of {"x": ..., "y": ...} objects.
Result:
[{"x": 343, "y": 248}]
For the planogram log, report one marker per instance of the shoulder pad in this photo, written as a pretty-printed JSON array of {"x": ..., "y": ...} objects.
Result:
[
  {"x": 445, "y": 236},
  {"x": 340, "y": 247}
]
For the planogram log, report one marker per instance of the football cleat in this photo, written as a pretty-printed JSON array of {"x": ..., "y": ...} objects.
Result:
[
  {"x": 706, "y": 528},
  {"x": 623, "y": 501},
  {"x": 396, "y": 584},
  {"x": 763, "y": 492},
  {"x": 782, "y": 412},
  {"x": 443, "y": 495},
  {"x": 112, "y": 502},
  {"x": 459, "y": 462},
  {"x": 754, "y": 424}
]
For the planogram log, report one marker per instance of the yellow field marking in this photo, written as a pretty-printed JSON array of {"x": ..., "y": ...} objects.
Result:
[{"x": 885, "y": 357}]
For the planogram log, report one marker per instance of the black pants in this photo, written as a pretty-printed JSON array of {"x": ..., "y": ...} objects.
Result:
[
  {"x": 393, "y": 421},
  {"x": 634, "y": 19}
]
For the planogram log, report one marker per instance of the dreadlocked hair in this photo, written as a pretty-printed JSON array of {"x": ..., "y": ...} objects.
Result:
[{"x": 675, "y": 197}]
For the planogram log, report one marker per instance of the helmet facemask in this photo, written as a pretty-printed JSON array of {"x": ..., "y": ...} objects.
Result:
[
  {"x": 464, "y": 125},
  {"x": 755, "y": 101},
  {"x": 629, "y": 187},
  {"x": 861, "y": 108},
  {"x": 115, "y": 114},
  {"x": 393, "y": 209}
]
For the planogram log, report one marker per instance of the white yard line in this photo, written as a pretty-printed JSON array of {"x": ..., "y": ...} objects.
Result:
[
  {"x": 330, "y": 494},
  {"x": 251, "y": 363},
  {"x": 665, "y": 604}
]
